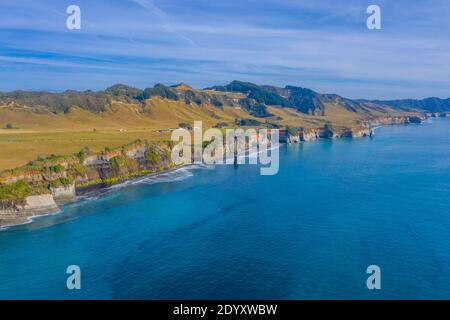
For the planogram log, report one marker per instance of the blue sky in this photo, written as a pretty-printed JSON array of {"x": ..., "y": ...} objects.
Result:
[{"x": 323, "y": 45}]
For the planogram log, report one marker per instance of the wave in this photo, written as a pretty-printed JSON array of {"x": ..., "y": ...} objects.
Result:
[
  {"x": 376, "y": 127},
  {"x": 30, "y": 219},
  {"x": 174, "y": 175}
]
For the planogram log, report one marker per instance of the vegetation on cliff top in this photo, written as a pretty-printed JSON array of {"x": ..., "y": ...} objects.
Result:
[
  {"x": 20, "y": 190},
  {"x": 39, "y": 176},
  {"x": 63, "y": 123}
]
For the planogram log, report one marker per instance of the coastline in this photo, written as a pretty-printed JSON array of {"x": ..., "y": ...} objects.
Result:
[
  {"x": 82, "y": 193},
  {"x": 29, "y": 214},
  {"x": 345, "y": 190}
]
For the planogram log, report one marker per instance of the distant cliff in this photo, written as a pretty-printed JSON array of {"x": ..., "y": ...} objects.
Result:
[
  {"x": 431, "y": 105},
  {"x": 295, "y": 135}
]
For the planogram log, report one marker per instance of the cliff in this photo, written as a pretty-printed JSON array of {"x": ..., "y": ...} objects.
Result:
[
  {"x": 416, "y": 118},
  {"x": 64, "y": 193},
  {"x": 363, "y": 130},
  {"x": 17, "y": 212},
  {"x": 37, "y": 187}
]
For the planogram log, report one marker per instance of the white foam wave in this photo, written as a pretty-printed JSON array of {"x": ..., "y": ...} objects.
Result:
[
  {"x": 29, "y": 220},
  {"x": 169, "y": 176},
  {"x": 375, "y": 128},
  {"x": 173, "y": 176}
]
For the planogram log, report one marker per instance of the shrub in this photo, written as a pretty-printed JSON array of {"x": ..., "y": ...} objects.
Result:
[
  {"x": 185, "y": 125},
  {"x": 145, "y": 171},
  {"x": 170, "y": 144},
  {"x": 216, "y": 103},
  {"x": 221, "y": 125},
  {"x": 18, "y": 190},
  {"x": 61, "y": 182},
  {"x": 159, "y": 90},
  {"x": 111, "y": 181},
  {"x": 116, "y": 162},
  {"x": 79, "y": 169},
  {"x": 90, "y": 183},
  {"x": 57, "y": 168},
  {"x": 152, "y": 156},
  {"x": 247, "y": 122},
  {"x": 81, "y": 155}
]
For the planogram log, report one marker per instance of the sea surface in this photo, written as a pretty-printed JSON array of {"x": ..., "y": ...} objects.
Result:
[{"x": 309, "y": 232}]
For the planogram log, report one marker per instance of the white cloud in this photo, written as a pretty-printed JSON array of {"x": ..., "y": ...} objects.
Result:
[{"x": 327, "y": 53}]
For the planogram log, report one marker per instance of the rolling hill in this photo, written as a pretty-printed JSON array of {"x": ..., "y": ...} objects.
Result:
[{"x": 36, "y": 123}]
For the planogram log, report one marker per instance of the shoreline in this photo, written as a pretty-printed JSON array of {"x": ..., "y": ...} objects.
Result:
[{"x": 96, "y": 190}]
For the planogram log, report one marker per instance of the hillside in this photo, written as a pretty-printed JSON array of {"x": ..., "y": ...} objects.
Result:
[
  {"x": 433, "y": 105},
  {"x": 253, "y": 98},
  {"x": 43, "y": 123}
]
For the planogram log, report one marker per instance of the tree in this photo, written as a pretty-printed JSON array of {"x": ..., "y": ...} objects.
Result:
[
  {"x": 8, "y": 126},
  {"x": 185, "y": 125},
  {"x": 221, "y": 125},
  {"x": 152, "y": 156}
]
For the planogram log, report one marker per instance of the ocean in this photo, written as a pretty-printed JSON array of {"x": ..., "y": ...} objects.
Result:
[{"x": 226, "y": 232}]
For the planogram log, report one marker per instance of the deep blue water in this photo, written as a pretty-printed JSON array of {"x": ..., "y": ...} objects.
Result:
[{"x": 309, "y": 232}]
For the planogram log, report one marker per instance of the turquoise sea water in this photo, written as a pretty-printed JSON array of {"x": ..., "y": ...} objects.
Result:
[{"x": 309, "y": 232}]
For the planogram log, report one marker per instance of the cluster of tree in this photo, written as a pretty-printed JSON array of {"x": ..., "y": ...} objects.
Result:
[
  {"x": 253, "y": 91},
  {"x": 158, "y": 90},
  {"x": 221, "y": 125},
  {"x": 247, "y": 122},
  {"x": 304, "y": 100},
  {"x": 58, "y": 102},
  {"x": 255, "y": 109},
  {"x": 185, "y": 125}
]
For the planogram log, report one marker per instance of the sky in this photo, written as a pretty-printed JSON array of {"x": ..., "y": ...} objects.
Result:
[{"x": 324, "y": 45}]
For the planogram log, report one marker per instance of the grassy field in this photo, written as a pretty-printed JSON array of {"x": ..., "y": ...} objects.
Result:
[
  {"x": 20, "y": 147},
  {"x": 39, "y": 132}
]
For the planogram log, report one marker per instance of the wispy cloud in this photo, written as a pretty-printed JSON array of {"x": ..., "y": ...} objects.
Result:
[
  {"x": 323, "y": 45},
  {"x": 154, "y": 11}
]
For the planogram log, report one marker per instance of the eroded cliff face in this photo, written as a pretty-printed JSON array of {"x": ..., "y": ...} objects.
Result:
[
  {"x": 39, "y": 204},
  {"x": 418, "y": 118},
  {"x": 357, "y": 132},
  {"x": 17, "y": 212},
  {"x": 438, "y": 114},
  {"x": 33, "y": 175},
  {"x": 310, "y": 134},
  {"x": 45, "y": 182},
  {"x": 38, "y": 187},
  {"x": 293, "y": 139},
  {"x": 65, "y": 193},
  {"x": 362, "y": 130}
]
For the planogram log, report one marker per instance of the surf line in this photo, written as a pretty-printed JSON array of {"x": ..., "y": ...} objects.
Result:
[{"x": 230, "y": 146}]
